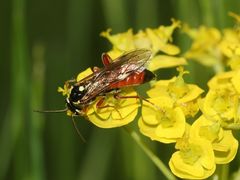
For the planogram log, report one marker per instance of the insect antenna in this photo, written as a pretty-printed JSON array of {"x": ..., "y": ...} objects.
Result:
[
  {"x": 73, "y": 120},
  {"x": 51, "y": 111},
  {"x": 77, "y": 130}
]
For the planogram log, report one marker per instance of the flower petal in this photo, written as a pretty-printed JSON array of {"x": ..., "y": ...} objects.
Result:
[
  {"x": 84, "y": 74},
  {"x": 114, "y": 112},
  {"x": 224, "y": 144},
  {"x": 162, "y": 122},
  {"x": 165, "y": 61},
  {"x": 236, "y": 81},
  {"x": 196, "y": 161}
]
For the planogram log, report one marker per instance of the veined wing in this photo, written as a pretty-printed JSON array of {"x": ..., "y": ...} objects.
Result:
[{"x": 118, "y": 70}]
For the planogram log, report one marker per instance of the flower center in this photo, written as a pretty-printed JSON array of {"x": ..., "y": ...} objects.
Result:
[
  {"x": 166, "y": 118},
  {"x": 191, "y": 154},
  {"x": 221, "y": 104},
  {"x": 210, "y": 132}
]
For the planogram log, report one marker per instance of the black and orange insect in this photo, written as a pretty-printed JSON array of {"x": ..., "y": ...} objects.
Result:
[{"x": 127, "y": 70}]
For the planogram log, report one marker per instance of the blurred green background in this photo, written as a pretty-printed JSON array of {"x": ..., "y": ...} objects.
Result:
[{"x": 42, "y": 44}]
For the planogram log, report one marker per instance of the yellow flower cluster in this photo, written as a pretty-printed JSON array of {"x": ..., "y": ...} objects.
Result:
[
  {"x": 214, "y": 47},
  {"x": 174, "y": 101},
  {"x": 117, "y": 112},
  {"x": 175, "y": 111},
  {"x": 209, "y": 140},
  {"x": 158, "y": 40}
]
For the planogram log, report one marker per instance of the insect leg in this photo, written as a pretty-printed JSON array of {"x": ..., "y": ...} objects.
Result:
[
  {"x": 100, "y": 105},
  {"x": 100, "y": 102},
  {"x": 117, "y": 96},
  {"x": 106, "y": 59}
]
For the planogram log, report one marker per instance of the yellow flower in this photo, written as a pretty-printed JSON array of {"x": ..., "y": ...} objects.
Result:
[
  {"x": 234, "y": 62},
  {"x": 141, "y": 40},
  {"x": 84, "y": 74},
  {"x": 194, "y": 160},
  {"x": 235, "y": 80},
  {"x": 222, "y": 79},
  {"x": 161, "y": 36},
  {"x": 156, "y": 40},
  {"x": 223, "y": 143},
  {"x": 230, "y": 47},
  {"x": 165, "y": 61},
  {"x": 204, "y": 48},
  {"x": 122, "y": 42},
  {"x": 219, "y": 104},
  {"x": 65, "y": 90},
  {"x": 222, "y": 100},
  {"x": 230, "y": 43},
  {"x": 161, "y": 121},
  {"x": 184, "y": 95},
  {"x": 214, "y": 48},
  {"x": 118, "y": 113}
]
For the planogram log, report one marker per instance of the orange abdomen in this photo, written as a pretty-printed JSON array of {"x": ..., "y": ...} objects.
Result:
[{"x": 134, "y": 79}]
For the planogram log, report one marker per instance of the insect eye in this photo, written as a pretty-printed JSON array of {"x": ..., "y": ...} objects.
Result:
[{"x": 77, "y": 93}]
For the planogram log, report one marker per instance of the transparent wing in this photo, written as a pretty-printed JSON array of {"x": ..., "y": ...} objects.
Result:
[
  {"x": 138, "y": 57},
  {"x": 121, "y": 68}
]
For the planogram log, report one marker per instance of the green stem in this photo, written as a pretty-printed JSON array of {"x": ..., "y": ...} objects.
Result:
[
  {"x": 161, "y": 166},
  {"x": 225, "y": 171}
]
